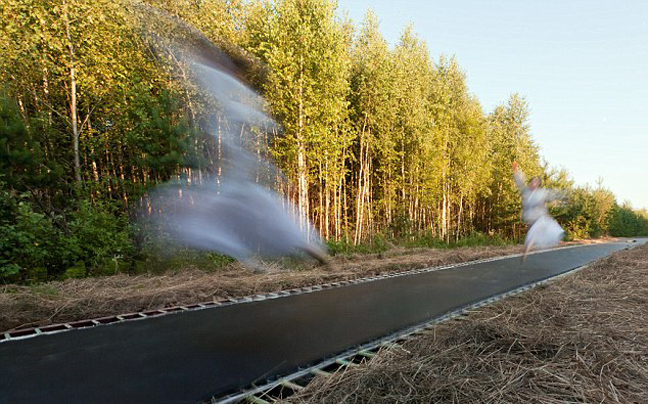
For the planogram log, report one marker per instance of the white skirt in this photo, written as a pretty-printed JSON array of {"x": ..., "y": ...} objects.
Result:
[{"x": 544, "y": 233}]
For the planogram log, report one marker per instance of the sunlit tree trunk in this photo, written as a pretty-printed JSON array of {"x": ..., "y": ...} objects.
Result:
[{"x": 73, "y": 96}]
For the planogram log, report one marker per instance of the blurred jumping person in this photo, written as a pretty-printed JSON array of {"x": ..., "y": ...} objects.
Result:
[{"x": 544, "y": 231}]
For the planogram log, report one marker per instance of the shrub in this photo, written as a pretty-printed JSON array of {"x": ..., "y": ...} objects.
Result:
[
  {"x": 105, "y": 245},
  {"x": 35, "y": 246}
]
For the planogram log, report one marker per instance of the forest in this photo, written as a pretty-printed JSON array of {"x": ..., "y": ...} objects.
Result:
[{"x": 378, "y": 144}]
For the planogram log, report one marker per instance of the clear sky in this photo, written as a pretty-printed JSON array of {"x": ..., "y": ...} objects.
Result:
[{"x": 581, "y": 64}]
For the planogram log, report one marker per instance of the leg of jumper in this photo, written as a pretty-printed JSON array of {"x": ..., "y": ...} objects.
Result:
[
  {"x": 527, "y": 248},
  {"x": 528, "y": 242}
]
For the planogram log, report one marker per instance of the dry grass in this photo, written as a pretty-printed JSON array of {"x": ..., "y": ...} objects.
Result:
[
  {"x": 582, "y": 339},
  {"x": 78, "y": 299}
]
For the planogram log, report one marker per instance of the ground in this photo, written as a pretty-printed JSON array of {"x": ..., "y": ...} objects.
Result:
[
  {"x": 580, "y": 339},
  {"x": 80, "y": 299}
]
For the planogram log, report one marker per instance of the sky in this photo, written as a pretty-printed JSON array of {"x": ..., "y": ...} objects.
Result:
[{"x": 582, "y": 65}]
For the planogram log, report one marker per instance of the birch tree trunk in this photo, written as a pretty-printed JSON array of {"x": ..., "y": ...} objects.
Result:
[{"x": 73, "y": 97}]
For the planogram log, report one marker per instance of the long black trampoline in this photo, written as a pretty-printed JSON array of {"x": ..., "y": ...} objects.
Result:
[{"x": 191, "y": 356}]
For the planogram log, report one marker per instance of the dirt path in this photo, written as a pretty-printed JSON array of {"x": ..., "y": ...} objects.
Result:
[
  {"x": 581, "y": 339},
  {"x": 78, "y": 299}
]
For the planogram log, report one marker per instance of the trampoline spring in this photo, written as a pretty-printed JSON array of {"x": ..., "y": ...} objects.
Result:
[
  {"x": 291, "y": 385},
  {"x": 344, "y": 362},
  {"x": 320, "y": 372},
  {"x": 367, "y": 354},
  {"x": 256, "y": 400}
]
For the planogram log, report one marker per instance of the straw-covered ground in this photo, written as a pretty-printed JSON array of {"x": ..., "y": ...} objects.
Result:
[
  {"x": 580, "y": 339},
  {"x": 79, "y": 299}
]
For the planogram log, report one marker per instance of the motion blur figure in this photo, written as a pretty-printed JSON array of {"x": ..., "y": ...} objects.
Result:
[
  {"x": 544, "y": 231},
  {"x": 234, "y": 213},
  {"x": 239, "y": 218}
]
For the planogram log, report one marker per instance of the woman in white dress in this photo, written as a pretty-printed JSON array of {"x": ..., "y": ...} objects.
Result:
[{"x": 544, "y": 231}]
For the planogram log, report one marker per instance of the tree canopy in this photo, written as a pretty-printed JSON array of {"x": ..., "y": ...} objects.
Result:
[{"x": 375, "y": 141}]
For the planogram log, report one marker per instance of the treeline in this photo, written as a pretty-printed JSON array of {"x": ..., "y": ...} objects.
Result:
[{"x": 374, "y": 140}]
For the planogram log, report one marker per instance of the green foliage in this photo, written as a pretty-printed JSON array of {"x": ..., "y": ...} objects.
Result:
[
  {"x": 510, "y": 141},
  {"x": 160, "y": 139},
  {"x": 584, "y": 212},
  {"x": 220, "y": 260},
  {"x": 479, "y": 239},
  {"x": 31, "y": 240},
  {"x": 372, "y": 113},
  {"x": 22, "y": 163},
  {"x": 35, "y": 246},
  {"x": 306, "y": 50},
  {"x": 378, "y": 143},
  {"x": 345, "y": 247},
  {"x": 625, "y": 222},
  {"x": 426, "y": 239},
  {"x": 430, "y": 240},
  {"x": 158, "y": 257},
  {"x": 76, "y": 271},
  {"x": 103, "y": 237}
]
